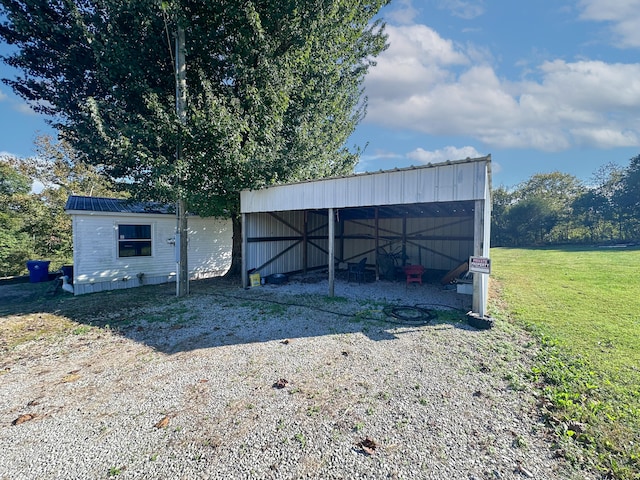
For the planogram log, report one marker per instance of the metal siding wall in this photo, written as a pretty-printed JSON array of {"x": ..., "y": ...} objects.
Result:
[
  {"x": 440, "y": 254},
  {"x": 354, "y": 249},
  {"x": 264, "y": 225},
  {"x": 427, "y": 186},
  {"x": 444, "y": 186},
  {"x": 452, "y": 182},
  {"x": 318, "y": 225}
]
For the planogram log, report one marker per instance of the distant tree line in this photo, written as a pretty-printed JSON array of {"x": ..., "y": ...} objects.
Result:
[{"x": 556, "y": 208}]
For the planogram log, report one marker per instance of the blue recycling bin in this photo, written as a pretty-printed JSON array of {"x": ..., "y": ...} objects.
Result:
[{"x": 38, "y": 270}]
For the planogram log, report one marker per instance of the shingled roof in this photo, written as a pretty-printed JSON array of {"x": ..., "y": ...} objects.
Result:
[{"x": 115, "y": 205}]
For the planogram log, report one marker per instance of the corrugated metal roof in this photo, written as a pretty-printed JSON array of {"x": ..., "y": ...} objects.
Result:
[
  {"x": 115, "y": 205},
  {"x": 451, "y": 181}
]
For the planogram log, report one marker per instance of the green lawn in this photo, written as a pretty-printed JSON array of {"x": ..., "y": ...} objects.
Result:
[{"x": 584, "y": 304}]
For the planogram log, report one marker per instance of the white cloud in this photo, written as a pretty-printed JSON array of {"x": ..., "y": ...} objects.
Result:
[
  {"x": 442, "y": 155},
  {"x": 24, "y": 109},
  {"x": 404, "y": 13},
  {"x": 604, "y": 138},
  {"x": 623, "y": 16},
  {"x": 416, "y": 60},
  {"x": 463, "y": 8},
  {"x": 382, "y": 155},
  {"x": 428, "y": 84}
]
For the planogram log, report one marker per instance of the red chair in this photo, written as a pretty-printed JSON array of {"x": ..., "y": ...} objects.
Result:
[{"x": 414, "y": 273}]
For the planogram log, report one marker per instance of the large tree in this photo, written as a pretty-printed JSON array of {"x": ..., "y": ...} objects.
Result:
[
  {"x": 550, "y": 196},
  {"x": 627, "y": 199},
  {"x": 15, "y": 244},
  {"x": 274, "y": 88}
]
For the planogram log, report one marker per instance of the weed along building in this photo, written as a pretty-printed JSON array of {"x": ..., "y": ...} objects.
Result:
[
  {"x": 123, "y": 244},
  {"x": 436, "y": 215}
]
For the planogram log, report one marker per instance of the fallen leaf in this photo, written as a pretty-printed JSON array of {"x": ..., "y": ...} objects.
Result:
[
  {"x": 33, "y": 403},
  {"x": 524, "y": 471},
  {"x": 24, "y": 418},
  {"x": 286, "y": 341},
  {"x": 368, "y": 446},
  {"x": 203, "y": 380},
  {"x": 280, "y": 383},
  {"x": 71, "y": 377},
  {"x": 163, "y": 423}
]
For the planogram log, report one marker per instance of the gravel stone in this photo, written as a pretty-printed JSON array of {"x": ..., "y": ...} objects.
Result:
[{"x": 185, "y": 390}]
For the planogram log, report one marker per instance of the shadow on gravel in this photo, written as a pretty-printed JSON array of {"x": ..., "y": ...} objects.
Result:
[{"x": 217, "y": 313}]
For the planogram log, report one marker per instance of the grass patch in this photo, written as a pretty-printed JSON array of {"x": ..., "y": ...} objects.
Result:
[
  {"x": 16, "y": 330},
  {"x": 582, "y": 304}
]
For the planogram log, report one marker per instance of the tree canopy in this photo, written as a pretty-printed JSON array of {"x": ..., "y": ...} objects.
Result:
[{"x": 274, "y": 88}]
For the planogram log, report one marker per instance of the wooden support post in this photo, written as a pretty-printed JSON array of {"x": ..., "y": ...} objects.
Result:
[
  {"x": 304, "y": 242},
  {"x": 245, "y": 274},
  {"x": 377, "y": 213},
  {"x": 331, "y": 248},
  {"x": 182, "y": 277},
  {"x": 404, "y": 240}
]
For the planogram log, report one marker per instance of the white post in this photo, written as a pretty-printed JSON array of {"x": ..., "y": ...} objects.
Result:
[{"x": 478, "y": 304}]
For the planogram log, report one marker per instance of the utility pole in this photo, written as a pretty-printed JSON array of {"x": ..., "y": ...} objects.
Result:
[{"x": 182, "y": 279}]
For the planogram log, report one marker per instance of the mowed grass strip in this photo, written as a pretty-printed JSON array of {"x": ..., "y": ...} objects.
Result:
[{"x": 584, "y": 305}]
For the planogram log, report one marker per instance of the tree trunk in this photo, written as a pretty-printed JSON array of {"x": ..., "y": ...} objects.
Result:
[{"x": 236, "y": 251}]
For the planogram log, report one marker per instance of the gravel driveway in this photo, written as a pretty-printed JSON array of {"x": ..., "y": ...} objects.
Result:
[{"x": 268, "y": 383}]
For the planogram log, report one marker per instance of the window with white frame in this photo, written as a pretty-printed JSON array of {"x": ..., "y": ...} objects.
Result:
[{"x": 134, "y": 240}]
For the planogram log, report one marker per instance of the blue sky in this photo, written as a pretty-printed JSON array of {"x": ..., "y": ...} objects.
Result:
[{"x": 541, "y": 86}]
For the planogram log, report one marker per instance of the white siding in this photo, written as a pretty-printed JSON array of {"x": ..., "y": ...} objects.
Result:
[
  {"x": 97, "y": 267},
  {"x": 454, "y": 181}
]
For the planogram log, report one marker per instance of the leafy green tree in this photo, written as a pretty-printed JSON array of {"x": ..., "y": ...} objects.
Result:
[
  {"x": 531, "y": 220},
  {"x": 501, "y": 202},
  {"x": 555, "y": 193},
  {"x": 627, "y": 199},
  {"x": 274, "y": 89},
  {"x": 15, "y": 244},
  {"x": 57, "y": 166},
  {"x": 591, "y": 208}
]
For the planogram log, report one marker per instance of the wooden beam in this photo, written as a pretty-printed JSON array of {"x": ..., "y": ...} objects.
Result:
[
  {"x": 377, "y": 226},
  {"x": 304, "y": 244},
  {"x": 245, "y": 275},
  {"x": 332, "y": 263}
]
